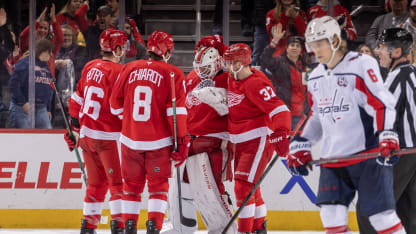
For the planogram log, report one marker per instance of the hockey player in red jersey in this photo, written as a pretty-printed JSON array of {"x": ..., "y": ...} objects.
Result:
[
  {"x": 351, "y": 112},
  {"x": 209, "y": 163},
  {"x": 142, "y": 97},
  {"x": 258, "y": 124},
  {"x": 99, "y": 131}
]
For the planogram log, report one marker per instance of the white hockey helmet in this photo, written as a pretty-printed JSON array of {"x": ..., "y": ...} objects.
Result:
[
  {"x": 208, "y": 62},
  {"x": 322, "y": 28}
]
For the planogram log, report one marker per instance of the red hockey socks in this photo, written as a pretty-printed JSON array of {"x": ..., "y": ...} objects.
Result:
[
  {"x": 246, "y": 217},
  {"x": 93, "y": 204},
  {"x": 158, "y": 197},
  {"x": 260, "y": 211}
]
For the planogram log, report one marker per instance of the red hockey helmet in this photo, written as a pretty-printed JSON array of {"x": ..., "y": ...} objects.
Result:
[
  {"x": 111, "y": 38},
  {"x": 160, "y": 42},
  {"x": 238, "y": 52},
  {"x": 215, "y": 41}
]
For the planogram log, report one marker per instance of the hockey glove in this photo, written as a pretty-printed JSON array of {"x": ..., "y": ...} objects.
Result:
[
  {"x": 280, "y": 142},
  {"x": 388, "y": 142},
  {"x": 183, "y": 148},
  {"x": 72, "y": 141},
  {"x": 299, "y": 155}
]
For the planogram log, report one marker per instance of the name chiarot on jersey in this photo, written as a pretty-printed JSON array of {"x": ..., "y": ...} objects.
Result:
[{"x": 146, "y": 74}]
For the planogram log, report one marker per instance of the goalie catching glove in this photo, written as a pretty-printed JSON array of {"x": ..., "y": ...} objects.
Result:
[
  {"x": 388, "y": 142},
  {"x": 72, "y": 140},
  {"x": 299, "y": 155},
  {"x": 183, "y": 148}
]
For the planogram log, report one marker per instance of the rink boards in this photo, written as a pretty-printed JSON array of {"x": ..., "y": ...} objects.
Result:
[{"x": 41, "y": 187}]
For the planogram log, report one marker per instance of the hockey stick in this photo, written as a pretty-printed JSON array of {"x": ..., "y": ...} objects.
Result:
[
  {"x": 185, "y": 221},
  {"x": 360, "y": 156},
  {"x": 256, "y": 185},
  {"x": 71, "y": 134}
]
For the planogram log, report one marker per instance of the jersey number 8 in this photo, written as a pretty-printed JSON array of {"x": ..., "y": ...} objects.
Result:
[{"x": 140, "y": 104}]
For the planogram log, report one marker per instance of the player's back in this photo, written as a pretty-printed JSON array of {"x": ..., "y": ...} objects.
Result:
[
  {"x": 146, "y": 87},
  {"x": 92, "y": 100}
]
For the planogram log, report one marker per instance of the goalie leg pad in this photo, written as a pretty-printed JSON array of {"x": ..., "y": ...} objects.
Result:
[
  {"x": 188, "y": 209},
  {"x": 335, "y": 218},
  {"x": 387, "y": 222},
  {"x": 212, "y": 205}
]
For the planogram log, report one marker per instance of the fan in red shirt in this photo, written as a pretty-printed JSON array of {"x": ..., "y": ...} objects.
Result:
[
  {"x": 339, "y": 13},
  {"x": 99, "y": 131},
  {"x": 258, "y": 124},
  {"x": 291, "y": 19},
  {"x": 142, "y": 97}
]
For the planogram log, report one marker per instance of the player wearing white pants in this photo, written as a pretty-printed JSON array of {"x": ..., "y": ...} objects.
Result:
[{"x": 351, "y": 112}]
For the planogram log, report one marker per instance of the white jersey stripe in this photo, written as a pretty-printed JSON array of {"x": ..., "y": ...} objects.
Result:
[
  {"x": 146, "y": 145},
  {"x": 257, "y": 159},
  {"x": 179, "y": 111},
  {"x": 77, "y": 98},
  {"x": 277, "y": 110}
]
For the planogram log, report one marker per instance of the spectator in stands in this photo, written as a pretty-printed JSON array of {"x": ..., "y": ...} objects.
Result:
[
  {"x": 366, "y": 49},
  {"x": 136, "y": 48},
  {"x": 114, "y": 6},
  {"x": 74, "y": 13},
  {"x": 19, "y": 104},
  {"x": 339, "y": 13},
  {"x": 92, "y": 34},
  {"x": 43, "y": 32},
  {"x": 410, "y": 24},
  {"x": 292, "y": 20},
  {"x": 393, "y": 19},
  {"x": 6, "y": 48},
  {"x": 70, "y": 61},
  {"x": 71, "y": 51},
  {"x": 286, "y": 73}
]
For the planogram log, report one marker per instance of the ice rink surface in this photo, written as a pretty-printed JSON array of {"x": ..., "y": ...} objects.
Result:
[{"x": 73, "y": 231}]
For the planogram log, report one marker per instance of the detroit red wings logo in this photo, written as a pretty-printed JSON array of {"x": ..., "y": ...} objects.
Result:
[
  {"x": 191, "y": 100},
  {"x": 234, "y": 99}
]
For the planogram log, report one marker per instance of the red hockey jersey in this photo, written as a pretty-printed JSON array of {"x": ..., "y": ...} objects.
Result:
[
  {"x": 254, "y": 109},
  {"x": 143, "y": 97},
  {"x": 91, "y": 102},
  {"x": 203, "y": 120}
]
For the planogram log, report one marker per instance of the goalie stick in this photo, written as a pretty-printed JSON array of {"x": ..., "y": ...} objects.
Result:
[
  {"x": 256, "y": 185},
  {"x": 360, "y": 156},
  {"x": 68, "y": 127},
  {"x": 185, "y": 221}
]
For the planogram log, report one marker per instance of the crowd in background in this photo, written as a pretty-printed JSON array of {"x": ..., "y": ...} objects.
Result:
[{"x": 277, "y": 26}]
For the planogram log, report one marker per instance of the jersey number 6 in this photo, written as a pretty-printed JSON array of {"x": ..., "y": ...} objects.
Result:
[
  {"x": 89, "y": 103},
  {"x": 372, "y": 75}
]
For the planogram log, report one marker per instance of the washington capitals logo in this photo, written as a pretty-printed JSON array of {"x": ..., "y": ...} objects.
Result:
[{"x": 342, "y": 82}]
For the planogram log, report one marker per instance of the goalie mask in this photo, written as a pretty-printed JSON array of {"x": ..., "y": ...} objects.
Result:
[{"x": 208, "y": 63}]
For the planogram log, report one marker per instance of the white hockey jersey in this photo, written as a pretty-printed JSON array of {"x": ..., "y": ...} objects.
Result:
[{"x": 349, "y": 104}]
